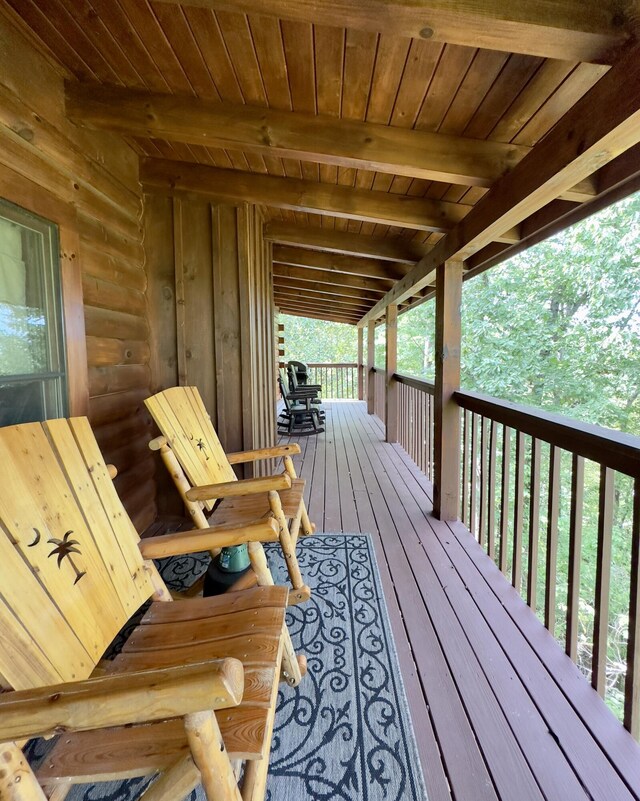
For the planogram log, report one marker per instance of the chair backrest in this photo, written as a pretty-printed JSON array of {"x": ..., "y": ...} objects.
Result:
[
  {"x": 284, "y": 392},
  {"x": 184, "y": 421},
  {"x": 71, "y": 572},
  {"x": 293, "y": 376}
]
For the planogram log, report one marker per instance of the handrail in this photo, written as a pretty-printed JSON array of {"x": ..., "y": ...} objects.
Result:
[
  {"x": 332, "y": 364},
  {"x": 416, "y": 383},
  {"x": 611, "y": 448}
]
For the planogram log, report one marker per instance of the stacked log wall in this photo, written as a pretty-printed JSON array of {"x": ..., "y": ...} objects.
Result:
[{"x": 87, "y": 182}]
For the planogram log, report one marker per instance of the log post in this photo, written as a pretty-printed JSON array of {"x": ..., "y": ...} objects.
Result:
[
  {"x": 447, "y": 413},
  {"x": 391, "y": 366},
  {"x": 371, "y": 361},
  {"x": 360, "y": 363}
]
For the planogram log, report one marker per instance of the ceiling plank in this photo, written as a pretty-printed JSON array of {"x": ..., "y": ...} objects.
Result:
[
  {"x": 352, "y": 265},
  {"x": 283, "y": 283},
  {"x": 578, "y": 145},
  {"x": 332, "y": 277},
  {"x": 287, "y": 134},
  {"x": 423, "y": 214},
  {"x": 576, "y": 30},
  {"x": 402, "y": 250}
]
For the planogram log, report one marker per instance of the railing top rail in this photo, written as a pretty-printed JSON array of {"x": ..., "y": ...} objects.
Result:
[
  {"x": 417, "y": 383},
  {"x": 602, "y": 445},
  {"x": 332, "y": 364}
]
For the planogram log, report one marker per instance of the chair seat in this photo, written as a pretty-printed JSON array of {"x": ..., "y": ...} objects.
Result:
[
  {"x": 247, "y": 508},
  {"x": 246, "y": 625}
]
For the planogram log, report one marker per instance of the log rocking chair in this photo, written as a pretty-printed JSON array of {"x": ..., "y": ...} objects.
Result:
[
  {"x": 194, "y": 688},
  {"x": 203, "y": 473}
]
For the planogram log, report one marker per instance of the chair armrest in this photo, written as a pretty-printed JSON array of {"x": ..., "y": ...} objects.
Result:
[
  {"x": 263, "y": 453},
  {"x": 232, "y": 489},
  {"x": 204, "y": 539},
  {"x": 120, "y": 699}
]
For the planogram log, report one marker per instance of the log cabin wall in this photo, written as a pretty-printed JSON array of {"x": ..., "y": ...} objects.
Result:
[
  {"x": 211, "y": 315},
  {"x": 87, "y": 182}
]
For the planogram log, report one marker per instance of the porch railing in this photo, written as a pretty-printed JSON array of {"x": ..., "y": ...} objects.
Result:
[
  {"x": 339, "y": 380},
  {"x": 556, "y": 504},
  {"x": 379, "y": 392},
  {"x": 415, "y": 420}
]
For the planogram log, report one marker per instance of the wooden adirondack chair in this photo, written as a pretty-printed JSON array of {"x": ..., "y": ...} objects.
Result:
[
  {"x": 72, "y": 572},
  {"x": 202, "y": 472}
]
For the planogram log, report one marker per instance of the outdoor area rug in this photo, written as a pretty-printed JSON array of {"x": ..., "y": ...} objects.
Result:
[{"x": 345, "y": 731}]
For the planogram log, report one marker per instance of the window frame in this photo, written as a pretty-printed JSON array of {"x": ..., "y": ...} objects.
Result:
[{"x": 34, "y": 199}]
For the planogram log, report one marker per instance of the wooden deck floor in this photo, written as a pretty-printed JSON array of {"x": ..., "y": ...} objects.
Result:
[{"x": 499, "y": 711}]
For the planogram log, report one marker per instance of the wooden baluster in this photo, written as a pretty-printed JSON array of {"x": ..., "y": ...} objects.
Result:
[
  {"x": 482, "y": 522},
  {"x": 518, "y": 514},
  {"x": 552, "y": 539},
  {"x": 491, "y": 512},
  {"x": 371, "y": 378},
  {"x": 534, "y": 524},
  {"x": 504, "y": 500},
  {"x": 575, "y": 554},
  {"x": 603, "y": 580},
  {"x": 466, "y": 445},
  {"x": 474, "y": 476},
  {"x": 632, "y": 680},
  {"x": 430, "y": 407}
]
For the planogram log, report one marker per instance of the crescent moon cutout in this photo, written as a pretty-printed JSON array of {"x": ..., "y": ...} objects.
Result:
[{"x": 36, "y": 541}]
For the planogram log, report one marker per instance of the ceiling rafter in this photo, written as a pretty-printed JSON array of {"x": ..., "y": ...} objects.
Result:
[
  {"x": 352, "y": 265},
  {"x": 308, "y": 137},
  {"x": 331, "y": 277},
  {"x": 402, "y": 250},
  {"x": 423, "y": 214}
]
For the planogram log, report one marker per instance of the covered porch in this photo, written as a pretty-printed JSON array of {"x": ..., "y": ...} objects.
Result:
[{"x": 204, "y": 165}]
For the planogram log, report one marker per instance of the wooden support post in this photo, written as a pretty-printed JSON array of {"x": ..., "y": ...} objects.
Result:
[
  {"x": 447, "y": 413},
  {"x": 391, "y": 385},
  {"x": 360, "y": 363},
  {"x": 371, "y": 361}
]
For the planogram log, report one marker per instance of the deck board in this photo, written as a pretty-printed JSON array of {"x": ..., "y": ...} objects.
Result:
[{"x": 499, "y": 710}]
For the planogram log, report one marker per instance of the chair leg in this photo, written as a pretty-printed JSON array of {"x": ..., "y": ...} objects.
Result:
[
  {"x": 177, "y": 781},
  {"x": 290, "y": 667},
  {"x": 288, "y": 548},
  {"x": 17, "y": 780},
  {"x": 307, "y": 526},
  {"x": 209, "y": 754}
]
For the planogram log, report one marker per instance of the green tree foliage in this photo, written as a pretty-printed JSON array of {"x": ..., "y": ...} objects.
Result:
[{"x": 308, "y": 340}]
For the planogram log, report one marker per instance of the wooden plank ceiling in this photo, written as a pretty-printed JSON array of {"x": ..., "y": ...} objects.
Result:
[{"x": 367, "y": 131}]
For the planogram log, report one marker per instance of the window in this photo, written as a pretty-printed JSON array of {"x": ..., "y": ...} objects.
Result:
[{"x": 32, "y": 355}]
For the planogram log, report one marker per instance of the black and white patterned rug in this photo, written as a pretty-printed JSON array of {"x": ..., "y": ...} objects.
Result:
[{"x": 345, "y": 731}]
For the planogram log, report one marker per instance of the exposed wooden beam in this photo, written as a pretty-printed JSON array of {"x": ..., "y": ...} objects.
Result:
[
  {"x": 345, "y": 304},
  {"x": 352, "y": 265},
  {"x": 423, "y": 214},
  {"x": 331, "y": 277},
  {"x": 326, "y": 289},
  {"x": 579, "y": 144},
  {"x": 326, "y": 314},
  {"x": 574, "y": 30},
  {"x": 309, "y": 137},
  {"x": 388, "y": 249},
  {"x": 319, "y": 316}
]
